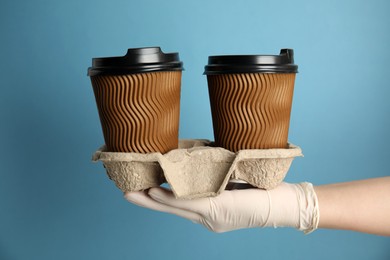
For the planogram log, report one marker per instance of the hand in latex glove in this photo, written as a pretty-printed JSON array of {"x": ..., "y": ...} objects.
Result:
[{"x": 288, "y": 205}]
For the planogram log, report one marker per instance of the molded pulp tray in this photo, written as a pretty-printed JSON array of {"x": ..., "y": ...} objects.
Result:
[{"x": 197, "y": 169}]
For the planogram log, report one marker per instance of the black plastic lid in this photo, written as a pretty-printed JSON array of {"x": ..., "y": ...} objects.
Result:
[
  {"x": 230, "y": 64},
  {"x": 136, "y": 60}
]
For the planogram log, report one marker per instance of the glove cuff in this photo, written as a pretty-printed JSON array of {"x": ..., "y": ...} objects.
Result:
[
  {"x": 309, "y": 210},
  {"x": 293, "y": 205}
]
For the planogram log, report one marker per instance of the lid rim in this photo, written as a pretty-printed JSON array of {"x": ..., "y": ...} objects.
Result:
[
  {"x": 287, "y": 68},
  {"x": 249, "y": 71},
  {"x": 124, "y": 71}
]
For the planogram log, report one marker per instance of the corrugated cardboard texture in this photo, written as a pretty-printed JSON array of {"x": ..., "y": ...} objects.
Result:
[{"x": 197, "y": 169}]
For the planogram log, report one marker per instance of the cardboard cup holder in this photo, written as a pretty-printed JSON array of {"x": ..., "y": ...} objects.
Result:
[{"x": 197, "y": 169}]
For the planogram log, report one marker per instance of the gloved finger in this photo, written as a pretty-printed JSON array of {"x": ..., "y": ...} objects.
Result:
[
  {"x": 198, "y": 206},
  {"x": 142, "y": 199}
]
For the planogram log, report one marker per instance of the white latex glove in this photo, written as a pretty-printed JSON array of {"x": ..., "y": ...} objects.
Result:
[{"x": 288, "y": 205}]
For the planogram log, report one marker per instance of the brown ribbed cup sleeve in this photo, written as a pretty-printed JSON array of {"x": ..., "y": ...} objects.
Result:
[
  {"x": 139, "y": 112},
  {"x": 251, "y": 110}
]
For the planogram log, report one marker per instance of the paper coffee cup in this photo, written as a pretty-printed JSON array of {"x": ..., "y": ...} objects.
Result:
[
  {"x": 138, "y": 100},
  {"x": 251, "y": 99}
]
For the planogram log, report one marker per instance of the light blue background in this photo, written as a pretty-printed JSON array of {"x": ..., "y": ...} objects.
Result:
[{"x": 56, "y": 204}]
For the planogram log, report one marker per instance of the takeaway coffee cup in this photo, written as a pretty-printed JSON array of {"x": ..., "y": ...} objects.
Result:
[
  {"x": 138, "y": 99},
  {"x": 250, "y": 99}
]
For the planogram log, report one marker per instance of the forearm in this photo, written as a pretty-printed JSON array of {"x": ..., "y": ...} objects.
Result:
[{"x": 359, "y": 205}]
